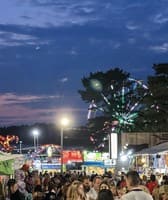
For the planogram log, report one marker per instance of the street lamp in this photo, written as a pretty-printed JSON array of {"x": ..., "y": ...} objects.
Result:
[
  {"x": 35, "y": 135},
  {"x": 64, "y": 123}
]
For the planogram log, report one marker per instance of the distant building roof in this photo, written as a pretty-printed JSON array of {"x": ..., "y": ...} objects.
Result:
[{"x": 155, "y": 149}]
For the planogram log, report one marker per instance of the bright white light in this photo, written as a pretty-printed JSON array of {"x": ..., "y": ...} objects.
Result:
[
  {"x": 129, "y": 152},
  {"x": 35, "y": 132},
  {"x": 69, "y": 162},
  {"x": 123, "y": 158},
  {"x": 64, "y": 121},
  {"x": 96, "y": 85},
  {"x": 114, "y": 146}
]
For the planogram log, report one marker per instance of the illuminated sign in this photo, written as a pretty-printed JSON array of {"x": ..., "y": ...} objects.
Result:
[
  {"x": 49, "y": 151},
  {"x": 92, "y": 156},
  {"x": 113, "y": 145},
  {"x": 72, "y": 156},
  {"x": 109, "y": 162},
  {"x": 50, "y": 166},
  {"x": 105, "y": 156}
]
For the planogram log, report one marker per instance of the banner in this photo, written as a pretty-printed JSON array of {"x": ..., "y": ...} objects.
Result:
[
  {"x": 6, "y": 167},
  {"x": 92, "y": 156},
  {"x": 72, "y": 156}
]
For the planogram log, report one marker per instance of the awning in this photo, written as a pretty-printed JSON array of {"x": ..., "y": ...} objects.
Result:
[
  {"x": 163, "y": 147},
  {"x": 9, "y": 156},
  {"x": 7, "y": 162}
]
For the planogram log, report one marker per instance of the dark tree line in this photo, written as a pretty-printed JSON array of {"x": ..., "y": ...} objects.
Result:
[
  {"x": 155, "y": 115},
  {"x": 49, "y": 134}
]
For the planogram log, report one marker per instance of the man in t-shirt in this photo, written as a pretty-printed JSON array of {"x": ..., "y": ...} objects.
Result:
[
  {"x": 93, "y": 192},
  {"x": 134, "y": 189}
]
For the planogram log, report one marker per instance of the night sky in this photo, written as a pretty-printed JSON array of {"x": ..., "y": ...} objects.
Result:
[{"x": 47, "y": 46}]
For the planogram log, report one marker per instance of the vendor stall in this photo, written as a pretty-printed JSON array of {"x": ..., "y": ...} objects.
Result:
[
  {"x": 154, "y": 159},
  {"x": 10, "y": 162}
]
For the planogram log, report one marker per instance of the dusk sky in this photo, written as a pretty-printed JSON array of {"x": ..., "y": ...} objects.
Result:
[{"x": 47, "y": 46}]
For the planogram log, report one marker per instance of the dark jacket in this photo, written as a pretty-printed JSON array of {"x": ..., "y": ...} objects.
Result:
[
  {"x": 17, "y": 196},
  {"x": 51, "y": 196}
]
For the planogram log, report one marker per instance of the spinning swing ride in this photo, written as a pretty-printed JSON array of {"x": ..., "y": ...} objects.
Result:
[{"x": 120, "y": 102}]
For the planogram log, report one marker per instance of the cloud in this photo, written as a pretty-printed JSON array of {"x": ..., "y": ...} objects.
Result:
[
  {"x": 37, "y": 48},
  {"x": 116, "y": 45},
  {"x": 105, "y": 42},
  {"x": 64, "y": 79},
  {"x": 11, "y": 98},
  {"x": 132, "y": 27},
  {"x": 73, "y": 52},
  {"x": 134, "y": 5},
  {"x": 18, "y": 114},
  {"x": 14, "y": 109},
  {"x": 160, "y": 18},
  {"x": 11, "y": 39},
  {"x": 47, "y": 13},
  {"x": 131, "y": 40},
  {"x": 163, "y": 48}
]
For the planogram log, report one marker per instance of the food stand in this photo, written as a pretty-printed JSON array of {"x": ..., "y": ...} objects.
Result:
[{"x": 153, "y": 159}]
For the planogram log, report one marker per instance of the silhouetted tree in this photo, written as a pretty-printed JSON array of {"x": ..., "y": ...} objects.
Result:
[{"x": 155, "y": 116}]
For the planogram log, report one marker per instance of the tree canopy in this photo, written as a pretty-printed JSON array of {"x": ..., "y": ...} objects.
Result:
[{"x": 155, "y": 116}]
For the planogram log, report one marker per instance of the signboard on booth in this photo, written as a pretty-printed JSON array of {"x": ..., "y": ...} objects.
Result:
[
  {"x": 109, "y": 162},
  {"x": 92, "y": 156},
  {"x": 72, "y": 156},
  {"x": 105, "y": 156}
]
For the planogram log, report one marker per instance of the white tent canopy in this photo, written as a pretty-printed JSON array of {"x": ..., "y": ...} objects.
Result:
[
  {"x": 163, "y": 147},
  {"x": 18, "y": 159},
  {"x": 9, "y": 156}
]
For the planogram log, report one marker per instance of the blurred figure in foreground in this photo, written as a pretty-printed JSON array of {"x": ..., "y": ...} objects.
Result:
[
  {"x": 134, "y": 191},
  {"x": 93, "y": 193},
  {"x": 105, "y": 194},
  {"x": 14, "y": 192}
]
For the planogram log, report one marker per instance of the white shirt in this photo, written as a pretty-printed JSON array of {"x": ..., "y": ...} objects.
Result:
[
  {"x": 92, "y": 194},
  {"x": 137, "y": 195}
]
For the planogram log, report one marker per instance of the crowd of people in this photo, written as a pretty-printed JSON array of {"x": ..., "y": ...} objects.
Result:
[{"x": 79, "y": 186}]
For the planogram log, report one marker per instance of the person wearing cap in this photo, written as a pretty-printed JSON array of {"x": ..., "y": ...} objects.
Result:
[{"x": 134, "y": 189}]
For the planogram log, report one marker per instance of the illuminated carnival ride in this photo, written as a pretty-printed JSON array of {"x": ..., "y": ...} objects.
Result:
[{"x": 5, "y": 142}]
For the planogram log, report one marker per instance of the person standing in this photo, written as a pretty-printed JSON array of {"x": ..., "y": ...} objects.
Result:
[
  {"x": 86, "y": 183},
  {"x": 134, "y": 189},
  {"x": 93, "y": 192},
  {"x": 152, "y": 183},
  {"x": 105, "y": 194},
  {"x": 14, "y": 192}
]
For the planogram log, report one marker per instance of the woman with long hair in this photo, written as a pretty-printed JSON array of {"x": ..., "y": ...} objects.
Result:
[{"x": 76, "y": 191}]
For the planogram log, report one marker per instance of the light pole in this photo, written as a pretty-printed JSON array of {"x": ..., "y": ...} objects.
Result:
[
  {"x": 64, "y": 123},
  {"x": 35, "y": 136}
]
